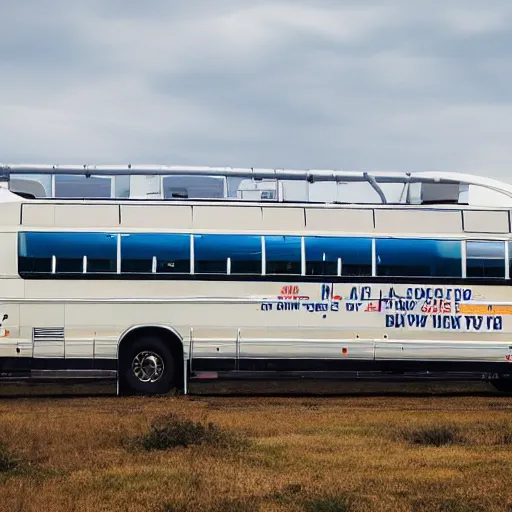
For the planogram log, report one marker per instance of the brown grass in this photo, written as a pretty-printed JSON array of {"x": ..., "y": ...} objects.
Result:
[{"x": 350, "y": 452}]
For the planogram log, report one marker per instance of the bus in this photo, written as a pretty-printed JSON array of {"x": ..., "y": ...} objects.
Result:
[{"x": 166, "y": 275}]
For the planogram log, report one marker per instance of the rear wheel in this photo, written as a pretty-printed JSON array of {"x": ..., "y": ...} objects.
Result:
[{"x": 147, "y": 366}]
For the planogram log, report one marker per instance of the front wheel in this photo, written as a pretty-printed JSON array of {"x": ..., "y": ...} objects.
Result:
[{"x": 147, "y": 366}]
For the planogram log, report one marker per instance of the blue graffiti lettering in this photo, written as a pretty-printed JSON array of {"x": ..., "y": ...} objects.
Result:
[
  {"x": 288, "y": 306},
  {"x": 455, "y": 322},
  {"x": 398, "y": 320},
  {"x": 364, "y": 294},
  {"x": 474, "y": 322},
  {"x": 427, "y": 293},
  {"x": 444, "y": 322},
  {"x": 405, "y": 305},
  {"x": 447, "y": 322},
  {"x": 417, "y": 320},
  {"x": 353, "y": 306}
]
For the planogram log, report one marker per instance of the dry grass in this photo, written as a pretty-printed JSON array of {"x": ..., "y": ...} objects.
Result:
[
  {"x": 171, "y": 431},
  {"x": 351, "y": 452}
]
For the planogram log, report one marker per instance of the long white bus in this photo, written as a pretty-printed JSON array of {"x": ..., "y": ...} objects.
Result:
[{"x": 174, "y": 274}]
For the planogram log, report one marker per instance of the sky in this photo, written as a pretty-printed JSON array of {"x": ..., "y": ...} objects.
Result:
[{"x": 305, "y": 84}]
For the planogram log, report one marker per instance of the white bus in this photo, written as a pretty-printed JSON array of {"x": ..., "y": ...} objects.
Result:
[{"x": 274, "y": 273}]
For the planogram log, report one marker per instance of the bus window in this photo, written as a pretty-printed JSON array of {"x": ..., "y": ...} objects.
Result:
[
  {"x": 485, "y": 259},
  {"x": 418, "y": 258},
  {"x": 283, "y": 254},
  {"x": 81, "y": 186},
  {"x": 155, "y": 252},
  {"x": 222, "y": 254},
  {"x": 329, "y": 256},
  {"x": 37, "y": 250}
]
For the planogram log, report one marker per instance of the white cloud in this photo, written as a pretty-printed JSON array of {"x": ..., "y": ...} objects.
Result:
[
  {"x": 304, "y": 84},
  {"x": 476, "y": 21}
]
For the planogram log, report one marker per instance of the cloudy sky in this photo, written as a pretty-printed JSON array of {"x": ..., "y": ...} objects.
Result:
[{"x": 350, "y": 84}]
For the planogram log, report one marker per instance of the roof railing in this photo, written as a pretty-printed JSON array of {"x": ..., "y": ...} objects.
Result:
[{"x": 374, "y": 178}]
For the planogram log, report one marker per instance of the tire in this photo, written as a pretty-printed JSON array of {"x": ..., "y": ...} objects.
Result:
[
  {"x": 502, "y": 385},
  {"x": 147, "y": 367}
]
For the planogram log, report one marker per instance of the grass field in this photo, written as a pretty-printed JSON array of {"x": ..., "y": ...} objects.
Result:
[{"x": 341, "y": 448}]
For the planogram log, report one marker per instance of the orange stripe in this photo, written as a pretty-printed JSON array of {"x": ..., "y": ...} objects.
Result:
[{"x": 485, "y": 309}]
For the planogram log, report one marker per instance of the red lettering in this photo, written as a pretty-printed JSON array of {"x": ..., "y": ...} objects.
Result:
[
  {"x": 290, "y": 290},
  {"x": 437, "y": 306}
]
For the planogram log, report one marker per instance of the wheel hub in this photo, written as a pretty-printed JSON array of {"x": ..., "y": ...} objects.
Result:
[{"x": 148, "y": 366}]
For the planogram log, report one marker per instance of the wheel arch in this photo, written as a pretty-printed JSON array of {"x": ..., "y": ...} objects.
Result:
[{"x": 166, "y": 333}]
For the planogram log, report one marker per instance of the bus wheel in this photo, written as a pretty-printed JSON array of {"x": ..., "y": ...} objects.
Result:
[
  {"x": 148, "y": 366},
  {"x": 503, "y": 385}
]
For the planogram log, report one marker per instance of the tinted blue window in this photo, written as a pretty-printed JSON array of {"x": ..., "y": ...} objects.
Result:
[
  {"x": 172, "y": 253},
  {"x": 283, "y": 254},
  {"x": 419, "y": 258},
  {"x": 36, "y": 251},
  {"x": 485, "y": 259},
  {"x": 323, "y": 253},
  {"x": 211, "y": 253}
]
